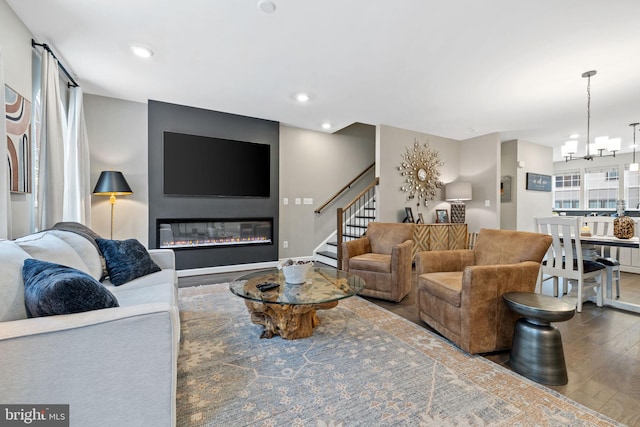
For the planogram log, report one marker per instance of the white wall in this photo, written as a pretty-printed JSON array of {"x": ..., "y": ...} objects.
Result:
[
  {"x": 117, "y": 133},
  {"x": 480, "y": 165},
  {"x": 391, "y": 143},
  {"x": 476, "y": 160},
  {"x": 316, "y": 165},
  {"x": 509, "y": 167},
  {"x": 533, "y": 204},
  {"x": 525, "y": 204},
  {"x": 15, "y": 42}
]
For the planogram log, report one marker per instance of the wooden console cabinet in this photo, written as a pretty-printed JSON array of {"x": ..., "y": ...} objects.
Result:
[{"x": 439, "y": 237}]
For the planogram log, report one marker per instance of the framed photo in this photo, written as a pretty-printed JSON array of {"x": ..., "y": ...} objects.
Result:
[
  {"x": 537, "y": 182},
  {"x": 442, "y": 216},
  {"x": 420, "y": 219},
  {"x": 408, "y": 215}
]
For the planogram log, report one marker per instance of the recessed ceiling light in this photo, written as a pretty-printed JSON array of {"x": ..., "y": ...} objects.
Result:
[
  {"x": 267, "y": 6},
  {"x": 141, "y": 51},
  {"x": 326, "y": 125},
  {"x": 574, "y": 136},
  {"x": 302, "y": 97}
]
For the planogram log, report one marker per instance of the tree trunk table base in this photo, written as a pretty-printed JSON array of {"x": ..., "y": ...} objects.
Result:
[{"x": 289, "y": 321}]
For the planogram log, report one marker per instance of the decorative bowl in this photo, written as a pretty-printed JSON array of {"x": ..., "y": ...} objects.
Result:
[{"x": 296, "y": 273}]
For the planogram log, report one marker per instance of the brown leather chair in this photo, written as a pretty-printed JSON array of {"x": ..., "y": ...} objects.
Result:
[
  {"x": 459, "y": 292},
  {"x": 383, "y": 259}
]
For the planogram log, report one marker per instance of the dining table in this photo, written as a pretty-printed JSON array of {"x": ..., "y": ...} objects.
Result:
[{"x": 633, "y": 242}]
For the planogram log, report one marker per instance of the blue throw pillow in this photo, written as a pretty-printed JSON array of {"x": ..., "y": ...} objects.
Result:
[
  {"x": 51, "y": 289},
  {"x": 126, "y": 260}
]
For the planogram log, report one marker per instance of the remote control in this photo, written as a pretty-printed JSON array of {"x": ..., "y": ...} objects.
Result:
[{"x": 267, "y": 286}]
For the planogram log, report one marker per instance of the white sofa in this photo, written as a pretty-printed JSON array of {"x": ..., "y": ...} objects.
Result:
[{"x": 114, "y": 366}]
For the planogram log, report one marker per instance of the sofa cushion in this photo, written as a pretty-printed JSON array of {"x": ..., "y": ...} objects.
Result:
[
  {"x": 160, "y": 292},
  {"x": 11, "y": 284},
  {"x": 83, "y": 247},
  {"x": 445, "y": 285},
  {"x": 379, "y": 263},
  {"x": 126, "y": 260},
  {"x": 51, "y": 289},
  {"x": 48, "y": 247}
]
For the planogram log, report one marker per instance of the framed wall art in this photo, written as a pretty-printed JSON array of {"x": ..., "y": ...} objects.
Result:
[
  {"x": 18, "y": 118},
  {"x": 538, "y": 182}
]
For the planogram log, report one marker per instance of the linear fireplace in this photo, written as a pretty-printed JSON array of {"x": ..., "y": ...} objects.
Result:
[{"x": 180, "y": 233}]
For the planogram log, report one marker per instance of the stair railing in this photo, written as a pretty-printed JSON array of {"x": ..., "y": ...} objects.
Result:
[
  {"x": 343, "y": 189},
  {"x": 350, "y": 211}
]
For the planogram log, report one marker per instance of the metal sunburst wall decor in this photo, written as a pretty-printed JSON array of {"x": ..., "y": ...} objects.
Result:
[{"x": 419, "y": 168}]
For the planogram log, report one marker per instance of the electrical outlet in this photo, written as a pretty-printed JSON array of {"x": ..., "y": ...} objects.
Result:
[
  {"x": 298, "y": 200},
  {"x": 285, "y": 201},
  {"x": 487, "y": 203},
  {"x": 285, "y": 244}
]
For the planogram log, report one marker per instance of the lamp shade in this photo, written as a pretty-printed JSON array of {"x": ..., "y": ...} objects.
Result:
[
  {"x": 456, "y": 191},
  {"x": 112, "y": 183}
]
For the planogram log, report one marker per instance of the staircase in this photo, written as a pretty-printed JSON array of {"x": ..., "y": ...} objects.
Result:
[{"x": 354, "y": 227}]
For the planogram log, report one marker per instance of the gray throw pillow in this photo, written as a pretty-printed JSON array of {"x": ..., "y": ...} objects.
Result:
[
  {"x": 51, "y": 289},
  {"x": 126, "y": 260}
]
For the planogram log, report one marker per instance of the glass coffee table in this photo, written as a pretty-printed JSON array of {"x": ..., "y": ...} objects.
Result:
[{"x": 289, "y": 310}]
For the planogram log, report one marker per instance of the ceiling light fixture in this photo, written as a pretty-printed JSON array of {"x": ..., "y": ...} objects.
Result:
[
  {"x": 602, "y": 143},
  {"x": 141, "y": 51},
  {"x": 302, "y": 97},
  {"x": 326, "y": 125},
  {"x": 267, "y": 6},
  {"x": 633, "y": 167}
]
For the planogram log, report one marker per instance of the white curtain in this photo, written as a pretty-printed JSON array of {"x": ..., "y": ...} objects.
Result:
[
  {"x": 5, "y": 195},
  {"x": 77, "y": 190},
  {"x": 50, "y": 146}
]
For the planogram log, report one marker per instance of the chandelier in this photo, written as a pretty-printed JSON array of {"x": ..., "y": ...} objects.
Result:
[
  {"x": 601, "y": 144},
  {"x": 633, "y": 167}
]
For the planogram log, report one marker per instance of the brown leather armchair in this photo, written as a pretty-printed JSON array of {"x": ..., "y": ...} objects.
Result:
[
  {"x": 459, "y": 293},
  {"x": 383, "y": 259}
]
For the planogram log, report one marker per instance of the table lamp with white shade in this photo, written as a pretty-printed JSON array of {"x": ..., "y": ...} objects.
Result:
[
  {"x": 112, "y": 184},
  {"x": 457, "y": 193}
]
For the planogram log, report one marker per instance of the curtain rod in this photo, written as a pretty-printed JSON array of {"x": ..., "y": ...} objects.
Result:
[{"x": 46, "y": 47}]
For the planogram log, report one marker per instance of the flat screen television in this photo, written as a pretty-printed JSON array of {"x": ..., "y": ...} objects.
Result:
[{"x": 205, "y": 166}]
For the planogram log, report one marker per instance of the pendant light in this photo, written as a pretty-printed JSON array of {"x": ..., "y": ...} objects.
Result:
[
  {"x": 602, "y": 143},
  {"x": 633, "y": 167}
]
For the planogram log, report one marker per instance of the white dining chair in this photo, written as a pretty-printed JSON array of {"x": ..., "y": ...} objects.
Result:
[
  {"x": 564, "y": 258},
  {"x": 607, "y": 255}
]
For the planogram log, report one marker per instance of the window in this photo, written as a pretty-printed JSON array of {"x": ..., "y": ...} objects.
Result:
[
  {"x": 566, "y": 190},
  {"x": 602, "y": 187},
  {"x": 631, "y": 188}
]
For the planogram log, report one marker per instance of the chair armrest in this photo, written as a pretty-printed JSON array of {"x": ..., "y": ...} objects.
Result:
[
  {"x": 352, "y": 248},
  {"x": 122, "y": 357},
  {"x": 488, "y": 323},
  {"x": 436, "y": 261},
  {"x": 401, "y": 252},
  {"x": 165, "y": 258}
]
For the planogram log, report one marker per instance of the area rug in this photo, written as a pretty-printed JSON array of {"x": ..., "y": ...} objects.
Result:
[{"x": 363, "y": 366}]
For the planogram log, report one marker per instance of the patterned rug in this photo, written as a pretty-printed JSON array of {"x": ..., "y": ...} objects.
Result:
[{"x": 363, "y": 366}]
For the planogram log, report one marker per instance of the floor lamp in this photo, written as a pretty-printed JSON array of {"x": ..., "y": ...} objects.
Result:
[
  {"x": 112, "y": 184},
  {"x": 457, "y": 193}
]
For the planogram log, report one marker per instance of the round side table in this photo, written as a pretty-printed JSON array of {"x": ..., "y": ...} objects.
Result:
[{"x": 537, "y": 352}]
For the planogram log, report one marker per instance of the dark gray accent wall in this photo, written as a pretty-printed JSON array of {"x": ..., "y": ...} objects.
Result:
[{"x": 196, "y": 121}]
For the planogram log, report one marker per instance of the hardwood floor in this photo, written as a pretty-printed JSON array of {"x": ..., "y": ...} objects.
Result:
[{"x": 601, "y": 345}]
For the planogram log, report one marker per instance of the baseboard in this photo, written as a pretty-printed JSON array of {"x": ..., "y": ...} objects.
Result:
[
  {"x": 233, "y": 268},
  {"x": 226, "y": 268}
]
